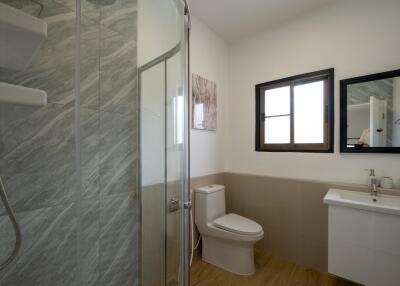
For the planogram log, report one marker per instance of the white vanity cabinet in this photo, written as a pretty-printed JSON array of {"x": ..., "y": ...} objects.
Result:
[{"x": 364, "y": 237}]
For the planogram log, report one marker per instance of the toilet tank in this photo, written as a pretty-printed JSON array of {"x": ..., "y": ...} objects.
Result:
[{"x": 209, "y": 204}]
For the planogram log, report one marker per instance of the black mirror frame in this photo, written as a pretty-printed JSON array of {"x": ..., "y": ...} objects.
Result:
[{"x": 343, "y": 112}]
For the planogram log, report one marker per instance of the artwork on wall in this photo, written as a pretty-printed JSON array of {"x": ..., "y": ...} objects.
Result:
[{"x": 204, "y": 103}]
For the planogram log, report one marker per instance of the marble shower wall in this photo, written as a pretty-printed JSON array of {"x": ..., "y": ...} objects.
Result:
[{"x": 72, "y": 233}]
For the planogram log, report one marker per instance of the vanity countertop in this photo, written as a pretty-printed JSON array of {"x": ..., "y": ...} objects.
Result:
[{"x": 362, "y": 200}]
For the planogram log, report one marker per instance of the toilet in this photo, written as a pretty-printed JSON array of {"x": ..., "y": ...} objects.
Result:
[{"x": 228, "y": 239}]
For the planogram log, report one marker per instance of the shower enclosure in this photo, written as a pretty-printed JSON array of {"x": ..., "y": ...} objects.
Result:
[
  {"x": 93, "y": 141},
  {"x": 163, "y": 146}
]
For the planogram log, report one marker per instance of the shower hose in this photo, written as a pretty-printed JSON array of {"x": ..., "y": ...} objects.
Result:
[{"x": 14, "y": 222}]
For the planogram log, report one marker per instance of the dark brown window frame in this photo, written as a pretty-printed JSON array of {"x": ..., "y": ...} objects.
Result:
[{"x": 328, "y": 145}]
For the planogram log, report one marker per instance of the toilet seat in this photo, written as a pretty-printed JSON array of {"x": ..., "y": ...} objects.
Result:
[{"x": 237, "y": 224}]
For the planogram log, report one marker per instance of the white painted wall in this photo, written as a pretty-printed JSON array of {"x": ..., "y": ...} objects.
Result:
[
  {"x": 158, "y": 33},
  {"x": 209, "y": 59},
  {"x": 158, "y": 28},
  {"x": 354, "y": 37},
  {"x": 152, "y": 105}
]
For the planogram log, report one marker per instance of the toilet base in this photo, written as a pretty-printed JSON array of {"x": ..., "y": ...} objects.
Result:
[{"x": 235, "y": 257}]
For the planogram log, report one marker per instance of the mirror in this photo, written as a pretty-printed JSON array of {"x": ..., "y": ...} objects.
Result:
[{"x": 370, "y": 113}]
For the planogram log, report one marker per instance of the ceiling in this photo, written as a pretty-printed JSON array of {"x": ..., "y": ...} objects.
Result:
[{"x": 237, "y": 19}]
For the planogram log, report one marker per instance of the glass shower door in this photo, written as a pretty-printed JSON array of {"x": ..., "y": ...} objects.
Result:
[
  {"x": 163, "y": 170},
  {"x": 153, "y": 200},
  {"x": 162, "y": 156},
  {"x": 175, "y": 162}
]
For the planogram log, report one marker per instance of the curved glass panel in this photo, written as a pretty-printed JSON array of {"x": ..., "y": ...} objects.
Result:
[{"x": 162, "y": 124}]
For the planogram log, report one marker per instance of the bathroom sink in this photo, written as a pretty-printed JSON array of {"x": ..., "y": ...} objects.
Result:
[{"x": 360, "y": 200}]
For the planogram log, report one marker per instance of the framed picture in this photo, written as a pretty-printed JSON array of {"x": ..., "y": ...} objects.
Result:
[{"x": 204, "y": 103}]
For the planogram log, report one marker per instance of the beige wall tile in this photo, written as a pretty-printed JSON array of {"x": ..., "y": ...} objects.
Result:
[
  {"x": 314, "y": 213},
  {"x": 207, "y": 180},
  {"x": 284, "y": 244},
  {"x": 314, "y": 254},
  {"x": 235, "y": 193},
  {"x": 291, "y": 212}
]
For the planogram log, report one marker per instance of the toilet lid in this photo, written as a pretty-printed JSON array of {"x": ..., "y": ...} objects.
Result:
[{"x": 238, "y": 224}]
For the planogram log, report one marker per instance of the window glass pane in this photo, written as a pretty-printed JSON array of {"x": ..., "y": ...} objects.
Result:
[
  {"x": 277, "y": 101},
  {"x": 309, "y": 113},
  {"x": 180, "y": 118},
  {"x": 277, "y": 130}
]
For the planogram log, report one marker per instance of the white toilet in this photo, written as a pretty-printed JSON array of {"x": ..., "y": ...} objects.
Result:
[{"x": 228, "y": 239}]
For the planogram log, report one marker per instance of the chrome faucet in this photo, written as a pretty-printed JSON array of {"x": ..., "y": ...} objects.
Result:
[{"x": 374, "y": 189}]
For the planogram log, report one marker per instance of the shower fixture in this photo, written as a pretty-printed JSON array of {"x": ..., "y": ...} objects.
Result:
[{"x": 16, "y": 227}]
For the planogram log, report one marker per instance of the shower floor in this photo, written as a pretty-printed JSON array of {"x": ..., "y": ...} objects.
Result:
[{"x": 271, "y": 271}]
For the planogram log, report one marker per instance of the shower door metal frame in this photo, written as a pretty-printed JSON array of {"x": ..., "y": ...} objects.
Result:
[{"x": 187, "y": 205}]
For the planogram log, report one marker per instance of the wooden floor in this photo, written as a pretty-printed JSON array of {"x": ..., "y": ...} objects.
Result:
[{"x": 271, "y": 271}]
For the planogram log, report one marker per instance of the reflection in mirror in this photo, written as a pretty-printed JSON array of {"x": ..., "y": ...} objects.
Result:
[{"x": 373, "y": 113}]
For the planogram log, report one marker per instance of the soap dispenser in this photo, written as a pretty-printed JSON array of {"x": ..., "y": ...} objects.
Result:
[{"x": 371, "y": 177}]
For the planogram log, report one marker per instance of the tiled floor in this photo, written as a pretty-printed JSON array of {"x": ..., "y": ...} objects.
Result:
[{"x": 271, "y": 271}]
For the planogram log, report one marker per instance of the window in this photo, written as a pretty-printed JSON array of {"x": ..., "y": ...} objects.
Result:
[
  {"x": 179, "y": 117},
  {"x": 179, "y": 104},
  {"x": 296, "y": 114}
]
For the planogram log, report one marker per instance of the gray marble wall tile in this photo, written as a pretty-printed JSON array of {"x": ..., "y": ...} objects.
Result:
[
  {"x": 89, "y": 9},
  {"x": 24, "y": 194},
  {"x": 89, "y": 63},
  {"x": 48, "y": 253},
  {"x": 121, "y": 17},
  {"x": 89, "y": 69},
  {"x": 64, "y": 227},
  {"x": 89, "y": 84},
  {"x": 44, "y": 159},
  {"x": 89, "y": 241},
  {"x": 59, "y": 46},
  {"x": 57, "y": 81},
  {"x": 52, "y": 68},
  {"x": 8, "y": 165},
  {"x": 8, "y": 276},
  {"x": 90, "y": 152},
  {"x": 43, "y": 127},
  {"x": 51, "y": 123},
  {"x": 118, "y": 153},
  {"x": 7, "y": 240},
  {"x": 119, "y": 239},
  {"x": 33, "y": 8},
  {"x": 121, "y": 277},
  {"x": 118, "y": 73},
  {"x": 11, "y": 116}
]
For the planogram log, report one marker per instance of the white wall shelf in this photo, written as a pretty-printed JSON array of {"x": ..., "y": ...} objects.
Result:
[{"x": 10, "y": 93}]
